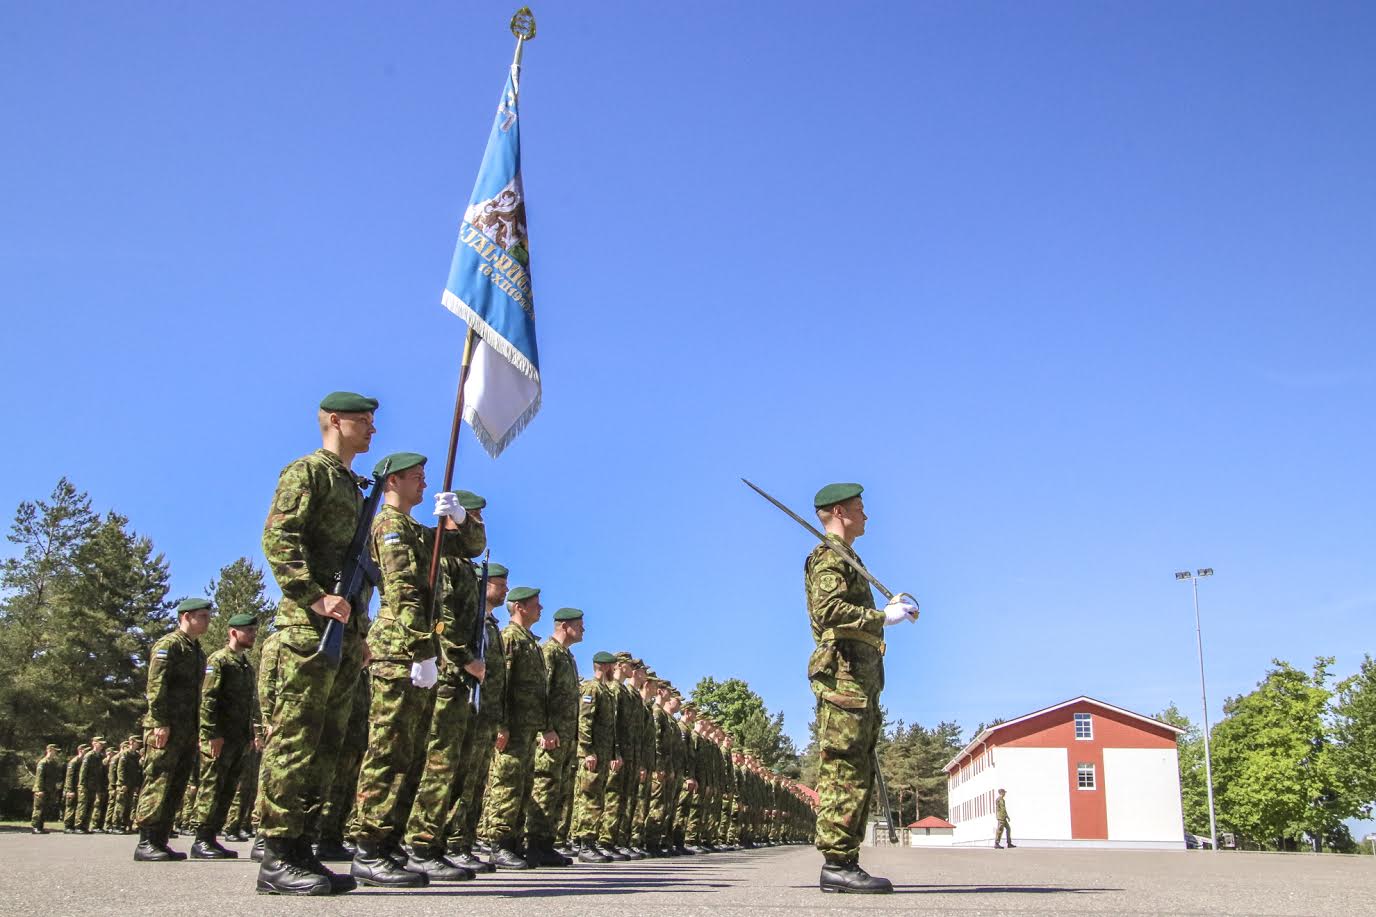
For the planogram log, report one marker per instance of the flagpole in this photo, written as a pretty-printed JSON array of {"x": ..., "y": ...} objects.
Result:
[{"x": 523, "y": 27}]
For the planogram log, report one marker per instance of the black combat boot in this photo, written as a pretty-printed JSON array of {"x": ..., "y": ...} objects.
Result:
[
  {"x": 255, "y": 853},
  {"x": 504, "y": 856},
  {"x": 437, "y": 867},
  {"x": 332, "y": 850},
  {"x": 280, "y": 874},
  {"x": 848, "y": 877},
  {"x": 372, "y": 866},
  {"x": 148, "y": 851},
  {"x": 463, "y": 856},
  {"x": 304, "y": 856},
  {"x": 542, "y": 853},
  {"x": 207, "y": 848},
  {"x": 159, "y": 837},
  {"x": 589, "y": 853}
]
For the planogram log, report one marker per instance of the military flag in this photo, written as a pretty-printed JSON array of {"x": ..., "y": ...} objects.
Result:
[{"x": 489, "y": 287}]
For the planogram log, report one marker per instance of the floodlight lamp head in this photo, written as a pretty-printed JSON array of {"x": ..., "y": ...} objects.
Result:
[
  {"x": 1206, "y": 571},
  {"x": 1183, "y": 574}
]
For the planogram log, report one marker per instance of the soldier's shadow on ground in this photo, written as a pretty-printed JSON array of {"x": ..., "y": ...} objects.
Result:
[
  {"x": 997, "y": 889},
  {"x": 590, "y": 885}
]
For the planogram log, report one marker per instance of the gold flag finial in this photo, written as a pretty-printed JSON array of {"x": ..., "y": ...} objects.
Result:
[{"x": 523, "y": 24}]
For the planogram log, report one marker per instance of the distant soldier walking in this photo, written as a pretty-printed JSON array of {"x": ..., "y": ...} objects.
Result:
[
  {"x": 1001, "y": 817},
  {"x": 846, "y": 671}
]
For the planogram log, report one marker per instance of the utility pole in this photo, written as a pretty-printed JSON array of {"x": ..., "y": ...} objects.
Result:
[{"x": 1204, "y": 697}]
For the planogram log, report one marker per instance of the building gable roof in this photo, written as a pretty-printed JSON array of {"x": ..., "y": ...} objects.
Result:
[
  {"x": 931, "y": 821},
  {"x": 1083, "y": 698}
]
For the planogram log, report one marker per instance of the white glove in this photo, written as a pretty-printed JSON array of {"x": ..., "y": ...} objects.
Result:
[
  {"x": 425, "y": 673},
  {"x": 898, "y": 611},
  {"x": 447, "y": 504}
]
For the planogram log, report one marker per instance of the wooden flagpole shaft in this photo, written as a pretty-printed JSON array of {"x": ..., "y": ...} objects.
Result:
[{"x": 453, "y": 454}]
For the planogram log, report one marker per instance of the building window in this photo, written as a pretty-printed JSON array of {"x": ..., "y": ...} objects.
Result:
[
  {"x": 1084, "y": 726},
  {"x": 1085, "y": 776}
]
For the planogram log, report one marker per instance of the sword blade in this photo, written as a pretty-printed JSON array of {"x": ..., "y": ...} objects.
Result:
[{"x": 839, "y": 547}]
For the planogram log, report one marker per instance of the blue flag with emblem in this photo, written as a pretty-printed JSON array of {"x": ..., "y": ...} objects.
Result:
[{"x": 489, "y": 288}]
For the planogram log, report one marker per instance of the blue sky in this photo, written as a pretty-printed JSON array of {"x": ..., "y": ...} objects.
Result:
[{"x": 1080, "y": 292}]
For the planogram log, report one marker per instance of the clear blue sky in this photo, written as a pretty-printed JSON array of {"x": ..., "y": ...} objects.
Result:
[{"x": 1081, "y": 292}]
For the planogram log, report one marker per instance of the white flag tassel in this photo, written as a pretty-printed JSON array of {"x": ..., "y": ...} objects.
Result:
[{"x": 489, "y": 288}]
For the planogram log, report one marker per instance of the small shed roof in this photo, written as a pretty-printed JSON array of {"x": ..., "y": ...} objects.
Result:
[{"x": 931, "y": 821}]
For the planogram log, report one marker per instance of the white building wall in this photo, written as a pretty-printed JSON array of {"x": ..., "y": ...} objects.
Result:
[
  {"x": 1038, "y": 797},
  {"x": 1142, "y": 795},
  {"x": 930, "y": 837}
]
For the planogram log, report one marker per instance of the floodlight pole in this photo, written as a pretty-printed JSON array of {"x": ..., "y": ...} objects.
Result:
[{"x": 1204, "y": 699}]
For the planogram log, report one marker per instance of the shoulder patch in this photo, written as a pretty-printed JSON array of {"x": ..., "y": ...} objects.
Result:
[
  {"x": 587, "y": 698},
  {"x": 287, "y": 499},
  {"x": 209, "y": 669},
  {"x": 391, "y": 537},
  {"x": 161, "y": 654},
  {"x": 829, "y": 582}
]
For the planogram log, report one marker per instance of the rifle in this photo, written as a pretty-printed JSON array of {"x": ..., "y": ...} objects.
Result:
[
  {"x": 884, "y": 798},
  {"x": 358, "y": 568},
  {"x": 479, "y": 642}
]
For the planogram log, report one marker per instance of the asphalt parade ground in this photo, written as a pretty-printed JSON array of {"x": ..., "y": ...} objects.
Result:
[{"x": 62, "y": 874}]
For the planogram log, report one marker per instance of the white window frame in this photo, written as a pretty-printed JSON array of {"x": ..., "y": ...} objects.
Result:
[
  {"x": 1088, "y": 720},
  {"x": 1083, "y": 768}
]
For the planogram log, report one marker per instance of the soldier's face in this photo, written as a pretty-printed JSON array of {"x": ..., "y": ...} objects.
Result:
[
  {"x": 197, "y": 622},
  {"x": 853, "y": 516},
  {"x": 356, "y": 430},
  {"x": 496, "y": 591},
  {"x": 244, "y": 636},
  {"x": 410, "y": 486}
]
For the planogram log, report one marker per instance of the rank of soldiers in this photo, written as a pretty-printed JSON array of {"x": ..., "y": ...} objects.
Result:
[{"x": 436, "y": 744}]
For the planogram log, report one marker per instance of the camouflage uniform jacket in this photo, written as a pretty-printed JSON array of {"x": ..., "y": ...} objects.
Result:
[
  {"x": 401, "y": 548},
  {"x": 309, "y": 526},
  {"x": 493, "y": 708},
  {"x": 689, "y": 741},
  {"x": 227, "y": 697},
  {"x": 628, "y": 722},
  {"x": 596, "y": 722},
  {"x": 47, "y": 776},
  {"x": 847, "y": 667},
  {"x": 526, "y": 707},
  {"x": 649, "y": 736},
  {"x": 664, "y": 734},
  {"x": 73, "y": 772},
  {"x": 1001, "y": 809},
  {"x": 130, "y": 769},
  {"x": 460, "y": 606},
  {"x": 561, "y": 690},
  {"x": 175, "y": 669},
  {"x": 92, "y": 775},
  {"x": 112, "y": 772}
]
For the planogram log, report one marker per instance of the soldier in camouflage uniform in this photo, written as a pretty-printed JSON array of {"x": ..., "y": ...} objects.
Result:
[
  {"x": 239, "y": 821},
  {"x": 485, "y": 736},
  {"x": 47, "y": 788},
  {"x": 509, "y": 783},
  {"x": 686, "y": 815},
  {"x": 661, "y": 768},
  {"x": 107, "y": 822},
  {"x": 175, "y": 669},
  {"x": 310, "y": 524},
  {"x": 226, "y": 723},
  {"x": 70, "y": 781},
  {"x": 846, "y": 672},
  {"x": 91, "y": 788},
  {"x": 451, "y": 716},
  {"x": 403, "y": 671},
  {"x": 129, "y": 767},
  {"x": 649, "y": 739},
  {"x": 621, "y": 784},
  {"x": 555, "y": 767},
  {"x": 598, "y": 756}
]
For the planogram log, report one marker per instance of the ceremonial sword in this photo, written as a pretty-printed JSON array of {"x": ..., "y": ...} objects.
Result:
[{"x": 841, "y": 548}]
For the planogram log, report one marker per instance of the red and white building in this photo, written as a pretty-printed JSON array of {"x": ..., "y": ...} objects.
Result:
[{"x": 1080, "y": 774}]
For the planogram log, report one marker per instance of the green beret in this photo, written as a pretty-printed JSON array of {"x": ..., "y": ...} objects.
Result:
[
  {"x": 347, "y": 403},
  {"x": 193, "y": 605},
  {"x": 398, "y": 462},
  {"x": 569, "y": 614},
  {"x": 244, "y": 619},
  {"x": 521, "y": 593},
  {"x": 469, "y": 500},
  {"x": 603, "y": 658},
  {"x": 496, "y": 570},
  {"x": 836, "y": 493}
]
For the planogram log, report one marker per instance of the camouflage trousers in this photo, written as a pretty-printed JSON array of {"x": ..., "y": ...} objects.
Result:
[
  {"x": 686, "y": 824},
  {"x": 508, "y": 788},
  {"x": 338, "y": 806},
  {"x": 90, "y": 807},
  {"x": 1002, "y": 830},
  {"x": 126, "y": 797},
  {"x": 613, "y": 806},
  {"x": 589, "y": 800},
  {"x": 657, "y": 823},
  {"x": 551, "y": 785},
  {"x": 166, "y": 772},
  {"x": 475, "y": 763},
  {"x": 186, "y": 814},
  {"x": 846, "y": 739},
  {"x": 564, "y": 824},
  {"x": 627, "y": 801},
  {"x": 311, "y": 702},
  {"x": 450, "y": 722},
  {"x": 44, "y": 808},
  {"x": 218, "y": 781},
  {"x": 396, "y": 730},
  {"x": 240, "y": 817},
  {"x": 68, "y": 810},
  {"x": 641, "y": 819}
]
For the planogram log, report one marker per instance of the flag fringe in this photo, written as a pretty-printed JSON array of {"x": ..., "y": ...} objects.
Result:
[
  {"x": 491, "y": 445},
  {"x": 491, "y": 338}
]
